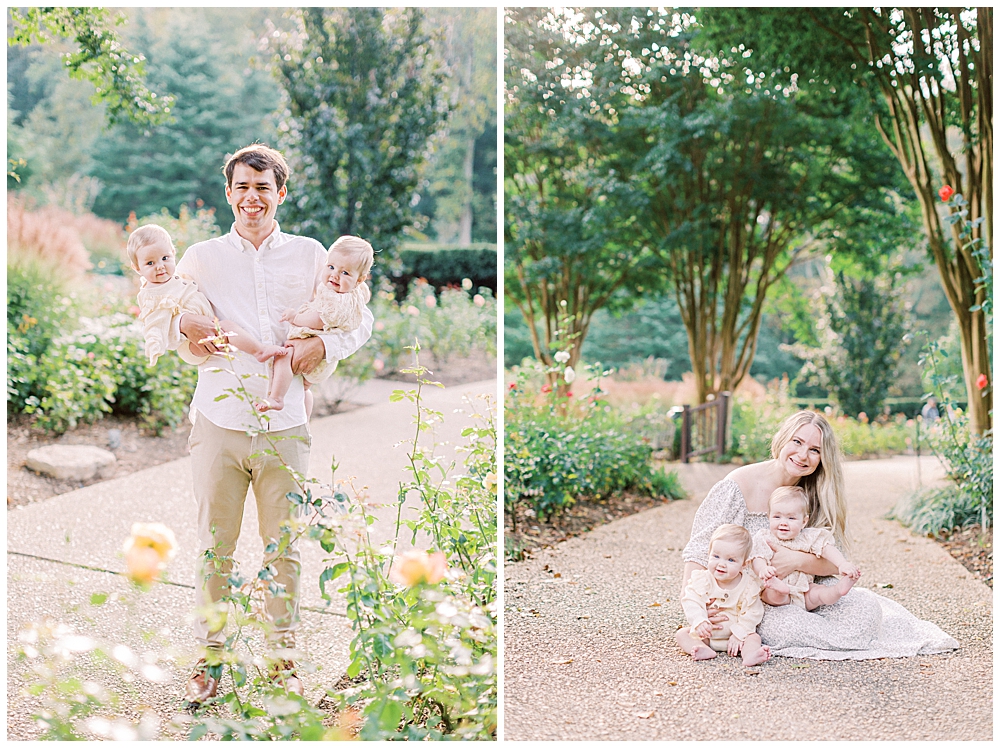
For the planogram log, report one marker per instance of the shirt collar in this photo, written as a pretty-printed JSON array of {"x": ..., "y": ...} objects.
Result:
[{"x": 271, "y": 240}]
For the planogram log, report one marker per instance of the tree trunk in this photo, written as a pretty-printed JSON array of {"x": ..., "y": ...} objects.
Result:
[{"x": 465, "y": 221}]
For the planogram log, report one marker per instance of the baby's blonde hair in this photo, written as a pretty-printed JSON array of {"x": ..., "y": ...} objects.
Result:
[
  {"x": 789, "y": 492},
  {"x": 355, "y": 245},
  {"x": 735, "y": 533},
  {"x": 143, "y": 237}
]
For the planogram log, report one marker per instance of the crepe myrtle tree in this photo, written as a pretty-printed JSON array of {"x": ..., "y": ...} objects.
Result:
[
  {"x": 570, "y": 244},
  {"x": 928, "y": 74},
  {"x": 739, "y": 180}
]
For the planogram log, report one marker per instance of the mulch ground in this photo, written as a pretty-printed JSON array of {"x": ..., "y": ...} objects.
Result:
[
  {"x": 970, "y": 546},
  {"x": 525, "y": 532},
  {"x": 137, "y": 450}
]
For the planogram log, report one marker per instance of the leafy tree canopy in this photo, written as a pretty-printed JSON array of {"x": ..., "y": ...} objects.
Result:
[{"x": 98, "y": 56}]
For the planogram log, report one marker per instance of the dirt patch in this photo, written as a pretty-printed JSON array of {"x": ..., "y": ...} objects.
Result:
[
  {"x": 532, "y": 533},
  {"x": 972, "y": 548},
  {"x": 136, "y": 450}
]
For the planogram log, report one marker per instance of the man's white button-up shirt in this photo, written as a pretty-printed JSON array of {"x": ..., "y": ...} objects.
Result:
[{"x": 252, "y": 287}]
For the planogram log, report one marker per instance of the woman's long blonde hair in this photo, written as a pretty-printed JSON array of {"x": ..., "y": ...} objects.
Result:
[{"x": 825, "y": 486}]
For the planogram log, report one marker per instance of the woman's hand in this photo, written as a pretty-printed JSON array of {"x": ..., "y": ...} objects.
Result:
[
  {"x": 715, "y": 616},
  {"x": 785, "y": 562}
]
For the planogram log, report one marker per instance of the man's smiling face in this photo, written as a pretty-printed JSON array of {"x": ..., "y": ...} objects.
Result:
[{"x": 255, "y": 197}]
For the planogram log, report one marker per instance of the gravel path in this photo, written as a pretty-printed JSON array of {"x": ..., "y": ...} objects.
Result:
[{"x": 589, "y": 651}]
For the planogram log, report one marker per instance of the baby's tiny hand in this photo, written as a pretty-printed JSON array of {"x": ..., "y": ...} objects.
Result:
[
  {"x": 288, "y": 315},
  {"x": 734, "y": 645},
  {"x": 769, "y": 571},
  {"x": 850, "y": 570},
  {"x": 704, "y": 630}
]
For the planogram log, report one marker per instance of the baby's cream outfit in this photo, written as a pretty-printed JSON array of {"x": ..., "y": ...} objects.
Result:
[
  {"x": 339, "y": 312},
  {"x": 810, "y": 539},
  {"x": 160, "y": 306},
  {"x": 741, "y": 604}
]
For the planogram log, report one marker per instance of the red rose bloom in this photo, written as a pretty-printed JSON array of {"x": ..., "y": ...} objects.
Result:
[
  {"x": 946, "y": 192},
  {"x": 513, "y": 385},
  {"x": 982, "y": 381},
  {"x": 546, "y": 388}
]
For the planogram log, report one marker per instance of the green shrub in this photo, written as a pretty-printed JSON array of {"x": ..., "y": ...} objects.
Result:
[
  {"x": 101, "y": 368},
  {"x": 556, "y": 451},
  {"x": 447, "y": 267},
  {"x": 755, "y": 422},
  {"x": 935, "y": 511}
]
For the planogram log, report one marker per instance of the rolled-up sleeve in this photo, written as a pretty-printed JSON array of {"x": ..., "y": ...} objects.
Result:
[
  {"x": 721, "y": 506},
  {"x": 340, "y": 345}
]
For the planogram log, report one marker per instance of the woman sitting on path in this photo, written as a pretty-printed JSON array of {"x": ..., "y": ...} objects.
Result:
[{"x": 862, "y": 625}]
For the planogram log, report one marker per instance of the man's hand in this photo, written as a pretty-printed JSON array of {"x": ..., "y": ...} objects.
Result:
[
  {"x": 197, "y": 327},
  {"x": 306, "y": 354}
]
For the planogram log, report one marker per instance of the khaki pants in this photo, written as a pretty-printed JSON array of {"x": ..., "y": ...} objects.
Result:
[{"x": 225, "y": 463}]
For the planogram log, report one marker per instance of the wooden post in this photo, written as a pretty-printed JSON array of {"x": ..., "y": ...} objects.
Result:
[
  {"x": 685, "y": 433},
  {"x": 722, "y": 414}
]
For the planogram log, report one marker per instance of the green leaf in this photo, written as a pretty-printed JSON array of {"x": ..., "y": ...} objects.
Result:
[{"x": 98, "y": 598}]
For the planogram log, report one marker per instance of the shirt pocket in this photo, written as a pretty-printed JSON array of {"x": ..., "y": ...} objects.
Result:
[{"x": 290, "y": 290}]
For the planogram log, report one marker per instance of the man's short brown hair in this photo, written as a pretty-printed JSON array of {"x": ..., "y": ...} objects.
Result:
[{"x": 258, "y": 157}]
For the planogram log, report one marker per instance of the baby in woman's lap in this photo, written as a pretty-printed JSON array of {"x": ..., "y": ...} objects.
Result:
[
  {"x": 787, "y": 518},
  {"x": 725, "y": 585}
]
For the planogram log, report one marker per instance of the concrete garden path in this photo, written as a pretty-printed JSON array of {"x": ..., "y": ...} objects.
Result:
[
  {"x": 63, "y": 550},
  {"x": 589, "y": 651}
]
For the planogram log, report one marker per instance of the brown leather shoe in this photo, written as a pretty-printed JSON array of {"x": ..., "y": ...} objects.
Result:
[
  {"x": 283, "y": 673},
  {"x": 202, "y": 685}
]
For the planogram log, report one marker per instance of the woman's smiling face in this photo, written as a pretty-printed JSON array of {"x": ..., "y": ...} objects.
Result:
[{"x": 802, "y": 453}]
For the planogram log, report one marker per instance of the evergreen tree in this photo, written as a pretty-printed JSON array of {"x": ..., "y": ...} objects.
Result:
[
  {"x": 221, "y": 105},
  {"x": 365, "y": 94}
]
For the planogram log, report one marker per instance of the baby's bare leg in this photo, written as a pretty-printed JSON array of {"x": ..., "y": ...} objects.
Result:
[
  {"x": 773, "y": 596},
  {"x": 821, "y": 594},
  {"x": 241, "y": 340},
  {"x": 309, "y": 399},
  {"x": 753, "y": 652},
  {"x": 693, "y": 645},
  {"x": 281, "y": 380}
]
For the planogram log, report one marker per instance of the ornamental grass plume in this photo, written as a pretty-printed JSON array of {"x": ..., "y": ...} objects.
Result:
[
  {"x": 419, "y": 566},
  {"x": 147, "y": 551}
]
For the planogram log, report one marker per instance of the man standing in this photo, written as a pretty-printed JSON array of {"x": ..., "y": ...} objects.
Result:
[{"x": 250, "y": 276}]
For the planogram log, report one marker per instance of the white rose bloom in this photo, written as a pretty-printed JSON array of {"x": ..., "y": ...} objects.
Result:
[
  {"x": 562, "y": 357},
  {"x": 569, "y": 374}
]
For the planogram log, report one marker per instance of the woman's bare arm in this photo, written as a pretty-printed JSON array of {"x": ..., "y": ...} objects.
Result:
[{"x": 786, "y": 561}]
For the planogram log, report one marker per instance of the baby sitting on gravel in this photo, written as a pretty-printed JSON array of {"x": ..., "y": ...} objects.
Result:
[
  {"x": 724, "y": 585},
  {"x": 787, "y": 515}
]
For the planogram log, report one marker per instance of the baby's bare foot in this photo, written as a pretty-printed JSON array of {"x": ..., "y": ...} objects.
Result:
[
  {"x": 273, "y": 404},
  {"x": 268, "y": 352},
  {"x": 703, "y": 652},
  {"x": 777, "y": 585},
  {"x": 845, "y": 584},
  {"x": 763, "y": 654}
]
